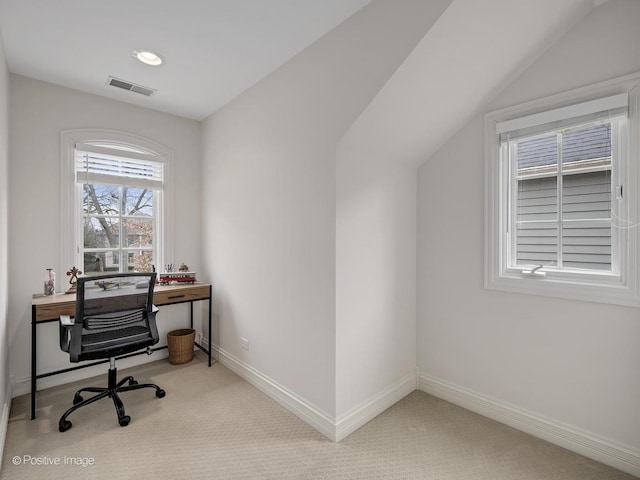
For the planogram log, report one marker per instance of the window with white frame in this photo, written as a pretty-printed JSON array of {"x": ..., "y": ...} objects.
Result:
[
  {"x": 561, "y": 202},
  {"x": 117, "y": 203}
]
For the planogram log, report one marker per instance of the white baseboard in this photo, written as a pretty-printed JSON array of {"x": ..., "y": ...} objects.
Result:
[
  {"x": 358, "y": 416},
  {"x": 334, "y": 430},
  {"x": 4, "y": 418},
  {"x": 302, "y": 409},
  {"x": 601, "y": 450}
]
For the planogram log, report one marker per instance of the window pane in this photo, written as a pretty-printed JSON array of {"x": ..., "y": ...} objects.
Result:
[
  {"x": 537, "y": 199},
  {"x": 586, "y": 146},
  {"x": 138, "y": 232},
  {"x": 101, "y": 199},
  {"x": 99, "y": 262},
  {"x": 538, "y": 155},
  {"x": 586, "y": 196},
  {"x": 101, "y": 232},
  {"x": 139, "y": 261},
  {"x": 106, "y": 227},
  {"x": 587, "y": 247},
  {"x": 537, "y": 244},
  {"x": 137, "y": 201}
]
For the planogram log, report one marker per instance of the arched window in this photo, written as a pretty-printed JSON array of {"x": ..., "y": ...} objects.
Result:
[{"x": 114, "y": 194}]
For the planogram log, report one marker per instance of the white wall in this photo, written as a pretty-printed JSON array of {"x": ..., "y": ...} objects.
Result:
[
  {"x": 39, "y": 112},
  {"x": 377, "y": 160},
  {"x": 575, "y": 363},
  {"x": 375, "y": 255},
  {"x": 269, "y": 198},
  {"x": 5, "y": 387},
  {"x": 376, "y": 278}
]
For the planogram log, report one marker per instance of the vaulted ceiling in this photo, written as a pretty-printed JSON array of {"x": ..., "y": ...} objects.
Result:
[{"x": 216, "y": 49}]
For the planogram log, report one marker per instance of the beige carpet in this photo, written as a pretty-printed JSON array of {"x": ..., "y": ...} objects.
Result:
[{"x": 213, "y": 425}]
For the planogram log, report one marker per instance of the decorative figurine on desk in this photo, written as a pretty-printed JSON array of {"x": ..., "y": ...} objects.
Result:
[
  {"x": 183, "y": 268},
  {"x": 73, "y": 273}
]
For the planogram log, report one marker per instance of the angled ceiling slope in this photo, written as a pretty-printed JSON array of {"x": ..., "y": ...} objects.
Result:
[{"x": 473, "y": 52}]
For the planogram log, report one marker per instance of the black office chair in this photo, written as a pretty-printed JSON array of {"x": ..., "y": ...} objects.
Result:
[{"x": 114, "y": 316}]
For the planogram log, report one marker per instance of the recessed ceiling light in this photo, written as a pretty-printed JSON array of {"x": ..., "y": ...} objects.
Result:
[{"x": 145, "y": 56}]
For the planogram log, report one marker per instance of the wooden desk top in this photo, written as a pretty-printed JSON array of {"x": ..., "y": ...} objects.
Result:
[{"x": 52, "y": 306}]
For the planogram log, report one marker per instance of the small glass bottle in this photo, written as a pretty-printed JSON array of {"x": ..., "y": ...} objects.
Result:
[{"x": 50, "y": 282}]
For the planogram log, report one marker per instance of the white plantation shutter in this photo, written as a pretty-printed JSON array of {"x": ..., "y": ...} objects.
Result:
[{"x": 113, "y": 166}]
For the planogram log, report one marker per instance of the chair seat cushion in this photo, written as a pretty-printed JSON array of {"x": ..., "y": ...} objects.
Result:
[{"x": 102, "y": 340}]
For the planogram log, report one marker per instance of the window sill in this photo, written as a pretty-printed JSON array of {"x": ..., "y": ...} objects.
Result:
[{"x": 557, "y": 287}]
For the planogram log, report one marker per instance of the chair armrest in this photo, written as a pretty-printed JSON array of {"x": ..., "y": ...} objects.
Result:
[
  {"x": 66, "y": 322},
  {"x": 151, "y": 323}
]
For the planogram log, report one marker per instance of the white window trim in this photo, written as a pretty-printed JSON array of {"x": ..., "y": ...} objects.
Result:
[
  {"x": 613, "y": 289},
  {"x": 71, "y": 237}
]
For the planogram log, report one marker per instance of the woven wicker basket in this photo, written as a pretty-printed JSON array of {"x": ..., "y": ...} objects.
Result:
[{"x": 180, "y": 343}]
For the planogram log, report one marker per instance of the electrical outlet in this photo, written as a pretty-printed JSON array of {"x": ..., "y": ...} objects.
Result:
[{"x": 244, "y": 343}]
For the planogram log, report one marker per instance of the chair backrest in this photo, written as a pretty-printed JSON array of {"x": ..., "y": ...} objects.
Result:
[
  {"x": 112, "y": 293},
  {"x": 114, "y": 316}
]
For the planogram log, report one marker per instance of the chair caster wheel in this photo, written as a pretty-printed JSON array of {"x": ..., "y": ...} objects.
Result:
[
  {"x": 160, "y": 393},
  {"x": 64, "y": 426},
  {"x": 133, "y": 382},
  {"x": 77, "y": 399},
  {"x": 124, "y": 421}
]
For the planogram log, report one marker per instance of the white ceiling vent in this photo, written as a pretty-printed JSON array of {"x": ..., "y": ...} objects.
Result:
[{"x": 132, "y": 87}]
